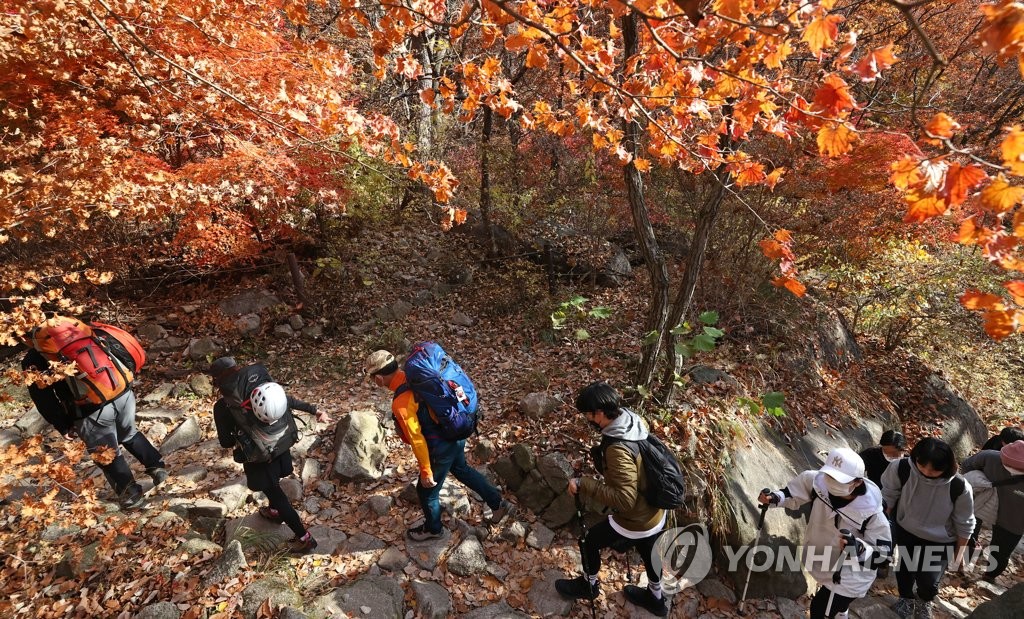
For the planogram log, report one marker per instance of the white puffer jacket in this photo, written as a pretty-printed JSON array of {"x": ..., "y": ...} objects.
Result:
[{"x": 863, "y": 517}]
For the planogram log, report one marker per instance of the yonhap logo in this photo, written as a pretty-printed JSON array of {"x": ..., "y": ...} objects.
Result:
[{"x": 683, "y": 556}]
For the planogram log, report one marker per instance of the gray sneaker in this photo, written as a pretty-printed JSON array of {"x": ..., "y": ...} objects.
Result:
[
  {"x": 923, "y": 610},
  {"x": 904, "y": 607}
]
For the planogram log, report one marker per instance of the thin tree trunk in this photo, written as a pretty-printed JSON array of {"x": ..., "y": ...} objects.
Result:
[
  {"x": 694, "y": 263},
  {"x": 485, "y": 182},
  {"x": 425, "y": 115},
  {"x": 657, "y": 313}
]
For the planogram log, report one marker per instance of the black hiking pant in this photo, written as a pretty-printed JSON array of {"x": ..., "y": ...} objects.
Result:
[
  {"x": 1001, "y": 549},
  {"x": 922, "y": 563},
  {"x": 819, "y": 604},
  {"x": 602, "y": 536},
  {"x": 266, "y": 477}
]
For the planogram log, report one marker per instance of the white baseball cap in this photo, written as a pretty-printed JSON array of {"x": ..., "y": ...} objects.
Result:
[{"x": 843, "y": 465}]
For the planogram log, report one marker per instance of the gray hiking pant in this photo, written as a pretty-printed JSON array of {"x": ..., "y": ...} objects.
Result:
[{"x": 113, "y": 426}]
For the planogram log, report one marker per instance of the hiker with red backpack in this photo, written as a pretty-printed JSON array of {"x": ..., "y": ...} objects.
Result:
[
  {"x": 637, "y": 520},
  {"x": 932, "y": 511},
  {"x": 97, "y": 404},
  {"x": 847, "y": 537},
  {"x": 1004, "y": 471},
  {"x": 435, "y": 411},
  {"x": 253, "y": 417}
]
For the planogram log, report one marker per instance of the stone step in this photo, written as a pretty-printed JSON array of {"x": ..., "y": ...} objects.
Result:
[
  {"x": 991, "y": 587},
  {"x": 950, "y": 609}
]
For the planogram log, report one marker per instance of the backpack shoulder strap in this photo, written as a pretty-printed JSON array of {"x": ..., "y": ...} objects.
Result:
[
  {"x": 1016, "y": 479},
  {"x": 957, "y": 485},
  {"x": 903, "y": 470}
]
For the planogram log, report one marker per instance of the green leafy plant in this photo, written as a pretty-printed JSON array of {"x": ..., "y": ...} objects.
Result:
[
  {"x": 704, "y": 341},
  {"x": 573, "y": 311},
  {"x": 770, "y": 403}
]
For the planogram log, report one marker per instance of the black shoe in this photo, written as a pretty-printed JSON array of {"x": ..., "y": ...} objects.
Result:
[
  {"x": 578, "y": 588},
  {"x": 645, "y": 599},
  {"x": 303, "y": 545},
  {"x": 158, "y": 473},
  {"x": 132, "y": 497},
  {"x": 421, "y": 534}
]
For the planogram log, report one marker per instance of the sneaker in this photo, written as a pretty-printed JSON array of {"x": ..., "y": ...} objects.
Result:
[
  {"x": 132, "y": 497},
  {"x": 504, "y": 510},
  {"x": 421, "y": 534},
  {"x": 271, "y": 514},
  {"x": 302, "y": 545},
  {"x": 643, "y": 598},
  {"x": 904, "y": 607},
  {"x": 578, "y": 588},
  {"x": 158, "y": 473},
  {"x": 923, "y": 610}
]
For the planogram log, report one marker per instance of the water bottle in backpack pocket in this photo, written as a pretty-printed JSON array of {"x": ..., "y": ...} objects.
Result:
[{"x": 444, "y": 387}]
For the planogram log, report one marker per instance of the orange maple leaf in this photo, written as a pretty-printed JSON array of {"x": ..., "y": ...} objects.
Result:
[
  {"x": 835, "y": 139},
  {"x": 960, "y": 181},
  {"x": 1000, "y": 324},
  {"x": 537, "y": 57},
  {"x": 876, "y": 61},
  {"x": 969, "y": 233},
  {"x": 1000, "y": 196},
  {"x": 906, "y": 173},
  {"x": 1016, "y": 290},
  {"x": 923, "y": 206},
  {"x": 977, "y": 300},
  {"x": 941, "y": 125},
  {"x": 772, "y": 249},
  {"x": 1013, "y": 150},
  {"x": 791, "y": 284},
  {"x": 834, "y": 96},
  {"x": 821, "y": 33}
]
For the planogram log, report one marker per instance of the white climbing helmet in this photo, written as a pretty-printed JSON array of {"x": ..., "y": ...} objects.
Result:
[{"x": 269, "y": 402}]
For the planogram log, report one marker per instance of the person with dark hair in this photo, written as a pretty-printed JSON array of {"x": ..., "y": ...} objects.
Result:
[
  {"x": 249, "y": 393},
  {"x": 932, "y": 511},
  {"x": 1004, "y": 470},
  {"x": 435, "y": 455},
  {"x": 876, "y": 459},
  {"x": 110, "y": 424},
  {"x": 1007, "y": 435},
  {"x": 633, "y": 521}
]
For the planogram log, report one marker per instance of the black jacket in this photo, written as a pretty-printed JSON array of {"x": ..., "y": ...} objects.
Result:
[
  {"x": 55, "y": 402},
  {"x": 874, "y": 463},
  {"x": 235, "y": 390}
]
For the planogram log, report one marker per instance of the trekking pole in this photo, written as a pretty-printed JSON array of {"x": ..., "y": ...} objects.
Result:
[
  {"x": 760, "y": 527},
  {"x": 583, "y": 552},
  {"x": 837, "y": 577}
]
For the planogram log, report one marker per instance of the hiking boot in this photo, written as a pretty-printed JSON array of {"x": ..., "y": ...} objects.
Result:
[
  {"x": 923, "y": 610},
  {"x": 158, "y": 473},
  {"x": 421, "y": 534},
  {"x": 271, "y": 514},
  {"x": 904, "y": 607},
  {"x": 504, "y": 510},
  {"x": 643, "y": 598},
  {"x": 302, "y": 545},
  {"x": 132, "y": 497},
  {"x": 578, "y": 588}
]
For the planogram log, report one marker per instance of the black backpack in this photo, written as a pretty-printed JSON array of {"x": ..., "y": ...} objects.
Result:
[
  {"x": 666, "y": 488},
  {"x": 256, "y": 441}
]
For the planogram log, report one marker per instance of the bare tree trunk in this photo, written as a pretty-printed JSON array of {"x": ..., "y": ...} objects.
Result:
[
  {"x": 706, "y": 219},
  {"x": 425, "y": 116},
  {"x": 485, "y": 182},
  {"x": 297, "y": 279},
  {"x": 657, "y": 313}
]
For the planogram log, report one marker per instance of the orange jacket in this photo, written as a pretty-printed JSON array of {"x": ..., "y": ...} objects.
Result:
[{"x": 405, "y": 407}]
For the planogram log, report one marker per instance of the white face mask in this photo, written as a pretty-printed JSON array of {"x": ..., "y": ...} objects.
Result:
[
  {"x": 891, "y": 459},
  {"x": 1013, "y": 471},
  {"x": 836, "y": 488}
]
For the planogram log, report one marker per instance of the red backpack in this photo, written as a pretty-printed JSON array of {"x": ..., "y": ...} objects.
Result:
[{"x": 106, "y": 357}]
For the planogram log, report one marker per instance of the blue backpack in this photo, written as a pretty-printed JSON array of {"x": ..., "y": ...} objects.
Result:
[{"x": 438, "y": 381}]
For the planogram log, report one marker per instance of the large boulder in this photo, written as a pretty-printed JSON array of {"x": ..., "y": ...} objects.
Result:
[
  {"x": 962, "y": 428},
  {"x": 277, "y": 590},
  {"x": 369, "y": 596},
  {"x": 359, "y": 447},
  {"x": 248, "y": 302},
  {"x": 1009, "y": 604}
]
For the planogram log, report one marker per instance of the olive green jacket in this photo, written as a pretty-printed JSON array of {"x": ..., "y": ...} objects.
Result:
[{"x": 624, "y": 480}]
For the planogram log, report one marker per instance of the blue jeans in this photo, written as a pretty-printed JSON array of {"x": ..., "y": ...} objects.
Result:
[{"x": 448, "y": 456}]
